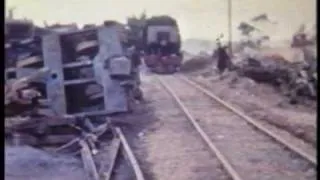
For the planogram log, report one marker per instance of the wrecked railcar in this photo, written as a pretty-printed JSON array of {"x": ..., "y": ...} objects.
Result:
[
  {"x": 80, "y": 74},
  {"x": 73, "y": 86}
]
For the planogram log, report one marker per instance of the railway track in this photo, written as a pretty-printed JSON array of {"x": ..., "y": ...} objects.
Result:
[
  {"x": 171, "y": 148},
  {"x": 287, "y": 138},
  {"x": 245, "y": 148},
  {"x": 119, "y": 155},
  {"x": 111, "y": 161}
]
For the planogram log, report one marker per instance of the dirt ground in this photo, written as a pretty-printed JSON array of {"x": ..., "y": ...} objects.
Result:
[
  {"x": 262, "y": 102},
  {"x": 27, "y": 163}
]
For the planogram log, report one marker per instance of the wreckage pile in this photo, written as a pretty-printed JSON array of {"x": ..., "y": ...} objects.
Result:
[
  {"x": 29, "y": 115},
  {"x": 295, "y": 80},
  {"x": 296, "y": 77},
  {"x": 25, "y": 123},
  {"x": 53, "y": 98},
  {"x": 61, "y": 84},
  {"x": 21, "y": 97}
]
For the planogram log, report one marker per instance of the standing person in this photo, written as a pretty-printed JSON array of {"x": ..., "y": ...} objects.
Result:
[
  {"x": 136, "y": 62},
  {"x": 223, "y": 58}
]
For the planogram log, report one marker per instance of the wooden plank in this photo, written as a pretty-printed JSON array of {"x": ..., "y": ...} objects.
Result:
[
  {"x": 43, "y": 72},
  {"x": 79, "y": 81},
  {"x": 53, "y": 59},
  {"x": 88, "y": 163},
  {"x": 78, "y": 64},
  {"x": 91, "y": 142},
  {"x": 67, "y": 145},
  {"x": 96, "y": 96},
  {"x": 132, "y": 158},
  {"x": 115, "y": 146},
  {"x": 102, "y": 129},
  {"x": 93, "y": 89},
  {"x": 86, "y": 45},
  {"x": 23, "y": 72},
  {"x": 29, "y": 61},
  {"x": 34, "y": 76}
]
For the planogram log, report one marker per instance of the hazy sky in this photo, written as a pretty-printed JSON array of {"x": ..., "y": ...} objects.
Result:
[{"x": 197, "y": 18}]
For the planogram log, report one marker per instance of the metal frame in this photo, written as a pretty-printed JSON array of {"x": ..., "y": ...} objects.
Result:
[{"x": 109, "y": 45}]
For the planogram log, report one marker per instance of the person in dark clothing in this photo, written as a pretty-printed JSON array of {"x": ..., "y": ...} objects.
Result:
[
  {"x": 223, "y": 58},
  {"x": 134, "y": 55},
  {"x": 136, "y": 60}
]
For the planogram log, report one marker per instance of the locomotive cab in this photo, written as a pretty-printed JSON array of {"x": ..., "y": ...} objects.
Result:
[{"x": 162, "y": 45}]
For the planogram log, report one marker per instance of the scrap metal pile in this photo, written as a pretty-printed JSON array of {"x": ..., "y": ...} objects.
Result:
[
  {"x": 291, "y": 69},
  {"x": 55, "y": 83},
  {"x": 296, "y": 78}
]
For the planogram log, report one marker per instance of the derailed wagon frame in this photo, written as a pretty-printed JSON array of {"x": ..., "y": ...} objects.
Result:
[{"x": 69, "y": 56}]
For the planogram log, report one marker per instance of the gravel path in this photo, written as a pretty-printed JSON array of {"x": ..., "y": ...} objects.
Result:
[{"x": 252, "y": 154}]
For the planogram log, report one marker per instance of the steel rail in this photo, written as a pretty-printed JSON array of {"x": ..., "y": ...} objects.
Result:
[
  {"x": 132, "y": 159},
  {"x": 114, "y": 155},
  {"x": 230, "y": 170},
  {"x": 250, "y": 120}
]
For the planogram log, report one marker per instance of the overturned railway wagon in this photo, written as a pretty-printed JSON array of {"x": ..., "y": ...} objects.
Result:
[
  {"x": 161, "y": 39},
  {"x": 73, "y": 68}
]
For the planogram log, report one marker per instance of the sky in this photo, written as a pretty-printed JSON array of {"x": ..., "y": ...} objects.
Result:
[{"x": 197, "y": 19}]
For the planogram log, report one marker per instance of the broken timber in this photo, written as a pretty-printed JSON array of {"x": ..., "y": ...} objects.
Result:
[
  {"x": 88, "y": 163},
  {"x": 115, "y": 145}
]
